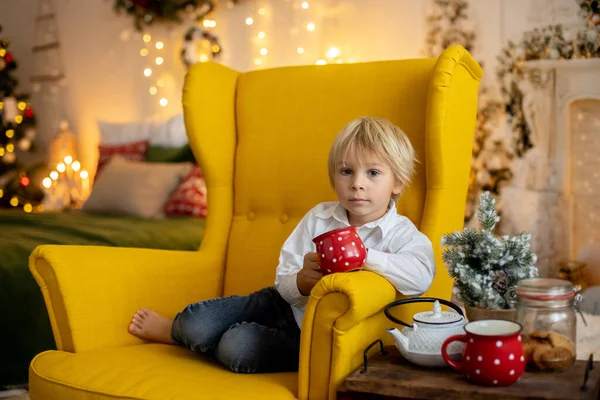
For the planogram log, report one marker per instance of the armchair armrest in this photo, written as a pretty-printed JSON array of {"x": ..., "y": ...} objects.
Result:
[
  {"x": 92, "y": 292},
  {"x": 343, "y": 315}
]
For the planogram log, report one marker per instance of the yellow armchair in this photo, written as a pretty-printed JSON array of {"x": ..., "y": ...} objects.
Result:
[{"x": 262, "y": 140}]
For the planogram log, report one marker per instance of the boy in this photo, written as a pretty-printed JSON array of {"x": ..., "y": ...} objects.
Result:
[{"x": 370, "y": 163}]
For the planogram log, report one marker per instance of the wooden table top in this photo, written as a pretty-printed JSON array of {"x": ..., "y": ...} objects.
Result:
[{"x": 391, "y": 376}]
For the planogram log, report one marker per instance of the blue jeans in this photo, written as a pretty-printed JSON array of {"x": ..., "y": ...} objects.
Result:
[{"x": 248, "y": 334}]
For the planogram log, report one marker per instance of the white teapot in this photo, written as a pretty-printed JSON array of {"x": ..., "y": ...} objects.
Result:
[{"x": 421, "y": 343}]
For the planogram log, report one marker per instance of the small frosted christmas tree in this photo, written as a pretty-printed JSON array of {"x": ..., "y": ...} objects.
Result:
[{"x": 484, "y": 266}]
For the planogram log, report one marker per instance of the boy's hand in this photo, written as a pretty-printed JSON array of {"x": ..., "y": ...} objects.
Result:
[{"x": 309, "y": 275}]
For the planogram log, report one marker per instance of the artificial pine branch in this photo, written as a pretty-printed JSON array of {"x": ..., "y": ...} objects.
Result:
[{"x": 488, "y": 217}]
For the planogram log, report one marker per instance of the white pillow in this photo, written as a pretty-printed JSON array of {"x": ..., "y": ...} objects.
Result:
[
  {"x": 123, "y": 133},
  {"x": 169, "y": 133},
  {"x": 135, "y": 188}
]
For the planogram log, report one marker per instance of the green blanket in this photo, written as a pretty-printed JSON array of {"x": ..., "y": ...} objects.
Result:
[{"x": 24, "y": 325}]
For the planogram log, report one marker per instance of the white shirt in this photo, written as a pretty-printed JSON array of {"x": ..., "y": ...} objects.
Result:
[{"x": 396, "y": 250}]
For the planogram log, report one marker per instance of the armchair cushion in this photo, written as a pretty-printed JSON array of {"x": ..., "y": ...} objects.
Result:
[{"x": 149, "y": 371}]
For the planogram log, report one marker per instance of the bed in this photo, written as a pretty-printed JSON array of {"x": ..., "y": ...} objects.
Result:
[{"x": 24, "y": 325}]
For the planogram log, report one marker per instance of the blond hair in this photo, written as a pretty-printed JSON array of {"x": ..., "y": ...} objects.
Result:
[{"x": 377, "y": 136}]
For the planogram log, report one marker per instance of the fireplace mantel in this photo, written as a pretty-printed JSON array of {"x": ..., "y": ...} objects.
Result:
[{"x": 542, "y": 186}]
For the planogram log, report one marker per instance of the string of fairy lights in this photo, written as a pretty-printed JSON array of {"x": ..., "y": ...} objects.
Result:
[
  {"x": 331, "y": 55},
  {"x": 153, "y": 51},
  {"x": 202, "y": 49}
]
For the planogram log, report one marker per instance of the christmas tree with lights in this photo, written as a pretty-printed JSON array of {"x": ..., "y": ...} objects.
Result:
[{"x": 17, "y": 134}]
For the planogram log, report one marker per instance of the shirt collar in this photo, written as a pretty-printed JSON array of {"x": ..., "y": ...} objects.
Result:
[{"x": 338, "y": 212}]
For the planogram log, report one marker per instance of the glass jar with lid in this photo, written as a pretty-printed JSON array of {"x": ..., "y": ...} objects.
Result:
[{"x": 546, "y": 309}]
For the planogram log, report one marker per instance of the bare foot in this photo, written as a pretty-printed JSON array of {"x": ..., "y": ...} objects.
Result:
[{"x": 148, "y": 325}]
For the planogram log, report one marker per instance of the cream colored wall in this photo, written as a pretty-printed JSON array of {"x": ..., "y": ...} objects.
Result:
[{"x": 105, "y": 79}]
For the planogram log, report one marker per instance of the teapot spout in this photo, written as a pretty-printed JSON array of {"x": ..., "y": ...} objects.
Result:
[{"x": 400, "y": 338}]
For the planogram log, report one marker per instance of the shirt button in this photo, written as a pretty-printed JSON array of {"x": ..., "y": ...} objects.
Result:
[
  {"x": 284, "y": 218},
  {"x": 251, "y": 216}
]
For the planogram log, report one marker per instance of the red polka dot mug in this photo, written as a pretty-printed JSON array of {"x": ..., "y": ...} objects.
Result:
[
  {"x": 493, "y": 354},
  {"x": 340, "y": 250}
]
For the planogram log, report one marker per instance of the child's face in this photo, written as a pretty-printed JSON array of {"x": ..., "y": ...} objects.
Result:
[{"x": 364, "y": 186}]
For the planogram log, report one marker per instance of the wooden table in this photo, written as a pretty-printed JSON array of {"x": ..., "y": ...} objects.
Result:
[{"x": 390, "y": 376}]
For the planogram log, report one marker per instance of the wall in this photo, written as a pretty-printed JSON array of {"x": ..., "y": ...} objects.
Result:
[{"x": 105, "y": 79}]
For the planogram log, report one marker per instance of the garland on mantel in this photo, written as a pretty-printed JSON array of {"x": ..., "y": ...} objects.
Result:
[
  {"x": 148, "y": 12},
  {"x": 549, "y": 42}
]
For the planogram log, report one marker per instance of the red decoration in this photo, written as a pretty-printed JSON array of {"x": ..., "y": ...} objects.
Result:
[
  {"x": 140, "y": 3},
  {"x": 24, "y": 181},
  {"x": 28, "y": 113},
  {"x": 8, "y": 58}
]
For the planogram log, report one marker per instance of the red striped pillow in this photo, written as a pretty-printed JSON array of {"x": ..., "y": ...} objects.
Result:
[
  {"x": 189, "y": 199},
  {"x": 135, "y": 151}
]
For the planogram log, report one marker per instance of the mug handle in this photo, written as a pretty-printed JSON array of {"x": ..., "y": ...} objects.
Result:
[{"x": 456, "y": 338}]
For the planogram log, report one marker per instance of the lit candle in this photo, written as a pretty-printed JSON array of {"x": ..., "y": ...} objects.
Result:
[{"x": 85, "y": 183}]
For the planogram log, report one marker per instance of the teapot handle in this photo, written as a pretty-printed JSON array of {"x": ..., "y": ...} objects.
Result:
[{"x": 418, "y": 300}]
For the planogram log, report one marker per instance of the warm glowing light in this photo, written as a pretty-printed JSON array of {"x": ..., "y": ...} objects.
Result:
[
  {"x": 305, "y": 5},
  {"x": 22, "y": 105},
  {"x": 2, "y": 52},
  {"x": 163, "y": 102},
  {"x": 143, "y": 52},
  {"x": 264, "y": 51},
  {"x": 332, "y": 52},
  {"x": 321, "y": 62},
  {"x": 147, "y": 72},
  {"x": 54, "y": 175},
  {"x": 84, "y": 174},
  {"x": 249, "y": 21},
  {"x": 28, "y": 208},
  {"x": 25, "y": 181},
  {"x": 14, "y": 202},
  {"x": 19, "y": 119},
  {"x": 1, "y": 151},
  {"x": 261, "y": 11},
  {"x": 10, "y": 147},
  {"x": 47, "y": 182},
  {"x": 159, "y": 60},
  {"x": 10, "y": 133},
  {"x": 1, "y": 193},
  {"x": 68, "y": 160},
  {"x": 203, "y": 58},
  {"x": 146, "y": 38},
  {"x": 208, "y": 23},
  {"x": 61, "y": 167},
  {"x": 300, "y": 50},
  {"x": 160, "y": 83},
  {"x": 76, "y": 166},
  {"x": 153, "y": 90},
  {"x": 257, "y": 61},
  {"x": 261, "y": 35},
  {"x": 310, "y": 26},
  {"x": 215, "y": 48},
  {"x": 160, "y": 45}
]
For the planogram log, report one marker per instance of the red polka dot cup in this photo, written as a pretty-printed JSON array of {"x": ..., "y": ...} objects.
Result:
[
  {"x": 493, "y": 354},
  {"x": 340, "y": 250}
]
